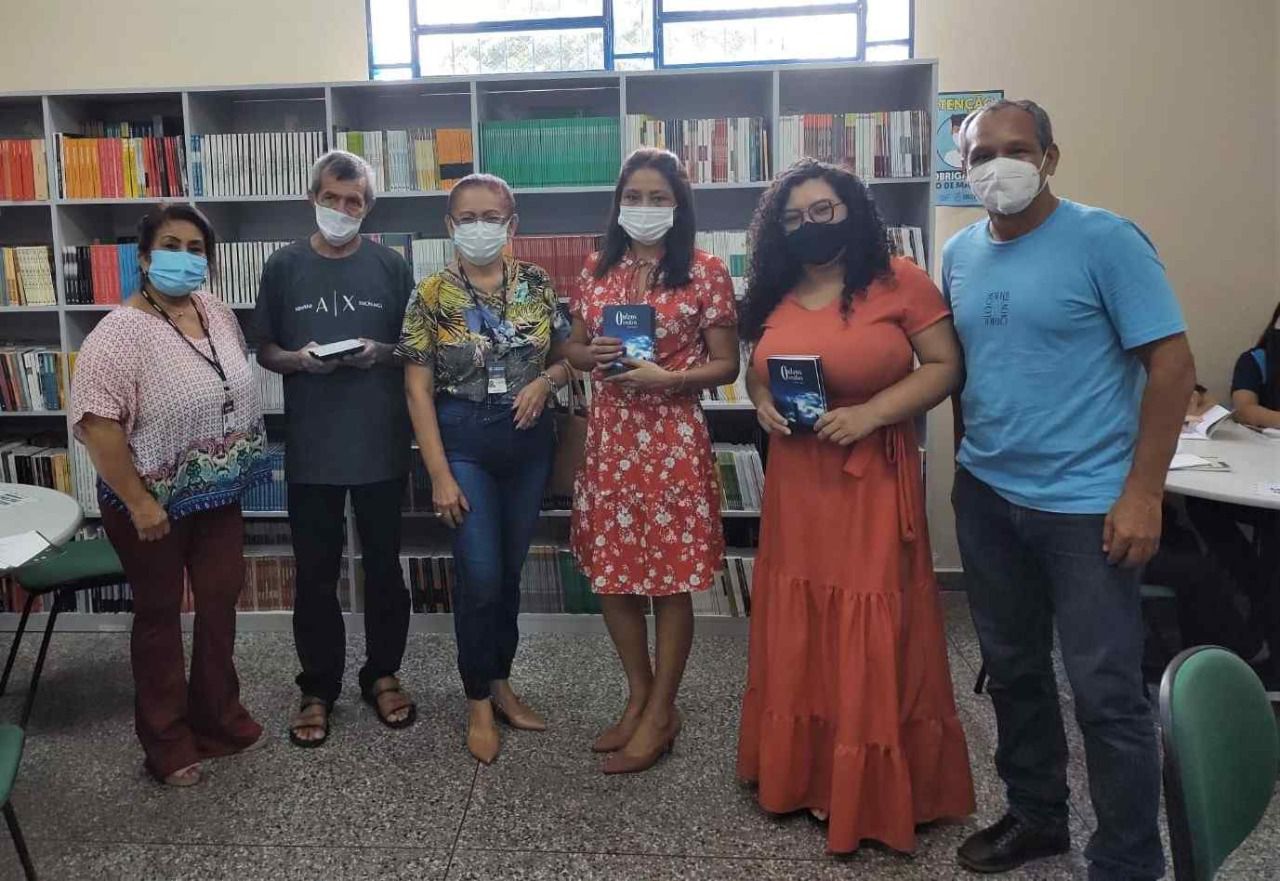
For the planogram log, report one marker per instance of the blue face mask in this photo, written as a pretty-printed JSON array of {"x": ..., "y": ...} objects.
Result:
[{"x": 177, "y": 273}]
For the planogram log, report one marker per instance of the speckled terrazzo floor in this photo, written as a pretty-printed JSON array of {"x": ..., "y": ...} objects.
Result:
[{"x": 376, "y": 804}]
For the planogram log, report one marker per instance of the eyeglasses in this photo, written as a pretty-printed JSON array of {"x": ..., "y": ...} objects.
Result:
[
  {"x": 822, "y": 211},
  {"x": 490, "y": 217}
]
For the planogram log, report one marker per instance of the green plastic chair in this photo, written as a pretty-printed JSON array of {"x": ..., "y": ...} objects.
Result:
[
  {"x": 1221, "y": 757},
  {"x": 77, "y": 565},
  {"x": 10, "y": 755}
]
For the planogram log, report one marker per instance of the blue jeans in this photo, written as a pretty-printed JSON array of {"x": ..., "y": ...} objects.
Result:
[
  {"x": 502, "y": 471},
  {"x": 1022, "y": 569}
]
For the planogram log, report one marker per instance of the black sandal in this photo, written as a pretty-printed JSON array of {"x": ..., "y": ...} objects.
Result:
[
  {"x": 308, "y": 703},
  {"x": 371, "y": 698}
]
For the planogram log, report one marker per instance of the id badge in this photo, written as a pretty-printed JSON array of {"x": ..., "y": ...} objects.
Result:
[
  {"x": 228, "y": 416},
  {"x": 497, "y": 379}
]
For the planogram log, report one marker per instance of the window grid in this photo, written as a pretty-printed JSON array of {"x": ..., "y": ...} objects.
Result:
[{"x": 604, "y": 22}]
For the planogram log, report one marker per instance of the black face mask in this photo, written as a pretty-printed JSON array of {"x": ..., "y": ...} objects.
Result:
[{"x": 818, "y": 243}]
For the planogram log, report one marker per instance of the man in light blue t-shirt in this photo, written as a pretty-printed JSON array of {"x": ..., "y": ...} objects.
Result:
[{"x": 1078, "y": 375}]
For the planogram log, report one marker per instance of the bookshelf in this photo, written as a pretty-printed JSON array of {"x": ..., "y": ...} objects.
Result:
[{"x": 764, "y": 91}]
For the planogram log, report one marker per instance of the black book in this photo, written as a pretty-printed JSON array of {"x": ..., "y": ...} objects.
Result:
[
  {"x": 798, "y": 391},
  {"x": 634, "y": 325}
]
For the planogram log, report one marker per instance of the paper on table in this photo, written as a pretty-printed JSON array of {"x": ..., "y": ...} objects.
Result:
[
  {"x": 1186, "y": 460},
  {"x": 1208, "y": 423},
  {"x": 10, "y": 499},
  {"x": 1269, "y": 489},
  {"x": 18, "y": 550}
]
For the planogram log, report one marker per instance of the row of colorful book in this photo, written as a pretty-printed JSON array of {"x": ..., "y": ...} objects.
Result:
[
  {"x": 730, "y": 245},
  {"x": 741, "y": 476},
  {"x": 254, "y": 164},
  {"x": 723, "y": 150},
  {"x": 274, "y": 494},
  {"x": 270, "y": 386},
  {"x": 26, "y": 276},
  {"x": 31, "y": 379},
  {"x": 731, "y": 595},
  {"x": 887, "y": 144},
  {"x": 103, "y": 275},
  {"x": 24, "y": 173},
  {"x": 736, "y": 391},
  {"x": 579, "y": 151},
  {"x": 239, "y": 270},
  {"x": 419, "y": 159},
  {"x": 121, "y": 161},
  {"x": 561, "y": 256},
  {"x": 908, "y": 241},
  {"x": 84, "y": 478},
  {"x": 36, "y": 461}
]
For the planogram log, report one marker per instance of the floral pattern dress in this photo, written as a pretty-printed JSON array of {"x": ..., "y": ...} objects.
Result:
[{"x": 646, "y": 508}]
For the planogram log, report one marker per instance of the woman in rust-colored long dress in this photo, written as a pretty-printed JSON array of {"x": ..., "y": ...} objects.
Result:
[{"x": 848, "y": 712}]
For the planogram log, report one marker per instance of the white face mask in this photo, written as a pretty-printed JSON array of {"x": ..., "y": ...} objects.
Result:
[
  {"x": 481, "y": 242},
  {"x": 336, "y": 227},
  {"x": 646, "y": 225},
  {"x": 1006, "y": 186}
]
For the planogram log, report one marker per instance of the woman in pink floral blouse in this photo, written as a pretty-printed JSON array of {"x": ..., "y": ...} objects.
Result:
[
  {"x": 646, "y": 511},
  {"x": 164, "y": 399}
]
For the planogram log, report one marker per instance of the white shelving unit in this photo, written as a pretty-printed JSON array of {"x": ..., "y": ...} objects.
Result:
[{"x": 441, "y": 102}]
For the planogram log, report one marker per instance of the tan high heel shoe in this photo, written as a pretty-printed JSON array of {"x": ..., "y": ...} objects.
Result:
[
  {"x": 483, "y": 742},
  {"x": 622, "y": 763},
  {"x": 520, "y": 716},
  {"x": 617, "y": 735}
]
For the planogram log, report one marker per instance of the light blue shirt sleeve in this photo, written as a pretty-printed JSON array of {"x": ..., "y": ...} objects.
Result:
[
  {"x": 1134, "y": 288},
  {"x": 947, "y": 251}
]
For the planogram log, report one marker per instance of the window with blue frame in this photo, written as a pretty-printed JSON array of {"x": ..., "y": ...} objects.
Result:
[{"x": 411, "y": 38}]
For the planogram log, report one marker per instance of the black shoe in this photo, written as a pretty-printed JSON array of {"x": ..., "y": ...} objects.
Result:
[{"x": 1010, "y": 843}]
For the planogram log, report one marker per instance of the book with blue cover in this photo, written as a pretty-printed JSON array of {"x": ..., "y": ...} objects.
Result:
[
  {"x": 798, "y": 391},
  {"x": 634, "y": 325}
]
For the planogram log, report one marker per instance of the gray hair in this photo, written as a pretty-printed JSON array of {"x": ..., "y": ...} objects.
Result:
[
  {"x": 343, "y": 166},
  {"x": 1044, "y": 126}
]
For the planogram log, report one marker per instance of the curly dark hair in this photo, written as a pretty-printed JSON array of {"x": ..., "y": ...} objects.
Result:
[
  {"x": 773, "y": 272},
  {"x": 673, "y": 268}
]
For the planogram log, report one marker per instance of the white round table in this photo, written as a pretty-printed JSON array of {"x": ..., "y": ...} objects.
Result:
[
  {"x": 1254, "y": 461},
  {"x": 55, "y": 515}
]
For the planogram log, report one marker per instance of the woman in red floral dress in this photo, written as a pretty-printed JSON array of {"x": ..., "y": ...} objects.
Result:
[{"x": 646, "y": 510}]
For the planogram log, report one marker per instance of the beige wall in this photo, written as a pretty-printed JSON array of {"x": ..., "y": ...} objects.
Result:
[
  {"x": 109, "y": 44},
  {"x": 1166, "y": 111}
]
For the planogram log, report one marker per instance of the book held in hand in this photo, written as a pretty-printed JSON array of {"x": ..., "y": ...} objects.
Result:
[
  {"x": 1203, "y": 427},
  {"x": 798, "y": 392},
  {"x": 634, "y": 325}
]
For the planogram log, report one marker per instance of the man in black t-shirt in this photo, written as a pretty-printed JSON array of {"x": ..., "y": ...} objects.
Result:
[{"x": 347, "y": 432}]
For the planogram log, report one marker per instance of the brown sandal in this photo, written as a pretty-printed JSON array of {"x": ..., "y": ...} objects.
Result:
[
  {"x": 298, "y": 725},
  {"x": 371, "y": 698}
]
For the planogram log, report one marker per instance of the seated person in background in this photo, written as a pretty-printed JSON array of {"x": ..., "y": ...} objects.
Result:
[{"x": 1255, "y": 386}]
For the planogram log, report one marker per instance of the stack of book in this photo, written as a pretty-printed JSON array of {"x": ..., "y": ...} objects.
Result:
[
  {"x": 581, "y": 151},
  {"x": 731, "y": 595},
  {"x": 724, "y": 150},
  {"x": 85, "y": 478},
  {"x": 128, "y": 160},
  {"x": 35, "y": 461},
  {"x": 270, "y": 386},
  {"x": 268, "y": 584},
  {"x": 550, "y": 582},
  {"x": 24, "y": 174},
  {"x": 419, "y": 159},
  {"x": 741, "y": 477},
  {"x": 272, "y": 496},
  {"x": 26, "y": 276},
  {"x": 254, "y": 164},
  {"x": 101, "y": 275},
  {"x": 908, "y": 241},
  {"x": 430, "y": 256},
  {"x": 730, "y": 245},
  {"x": 880, "y": 145},
  {"x": 561, "y": 256},
  {"x": 240, "y": 270},
  {"x": 31, "y": 379}
]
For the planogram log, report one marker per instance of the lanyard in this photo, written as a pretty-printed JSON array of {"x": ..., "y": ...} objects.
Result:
[
  {"x": 475, "y": 299},
  {"x": 213, "y": 362}
]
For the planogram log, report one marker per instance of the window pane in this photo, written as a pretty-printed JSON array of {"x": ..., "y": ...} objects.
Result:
[
  {"x": 393, "y": 73},
  {"x": 447, "y": 12},
  {"x": 761, "y": 39},
  {"x": 632, "y": 26},
  {"x": 888, "y": 52},
  {"x": 389, "y": 31},
  {"x": 633, "y": 63},
  {"x": 723, "y": 5},
  {"x": 888, "y": 20},
  {"x": 511, "y": 51}
]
